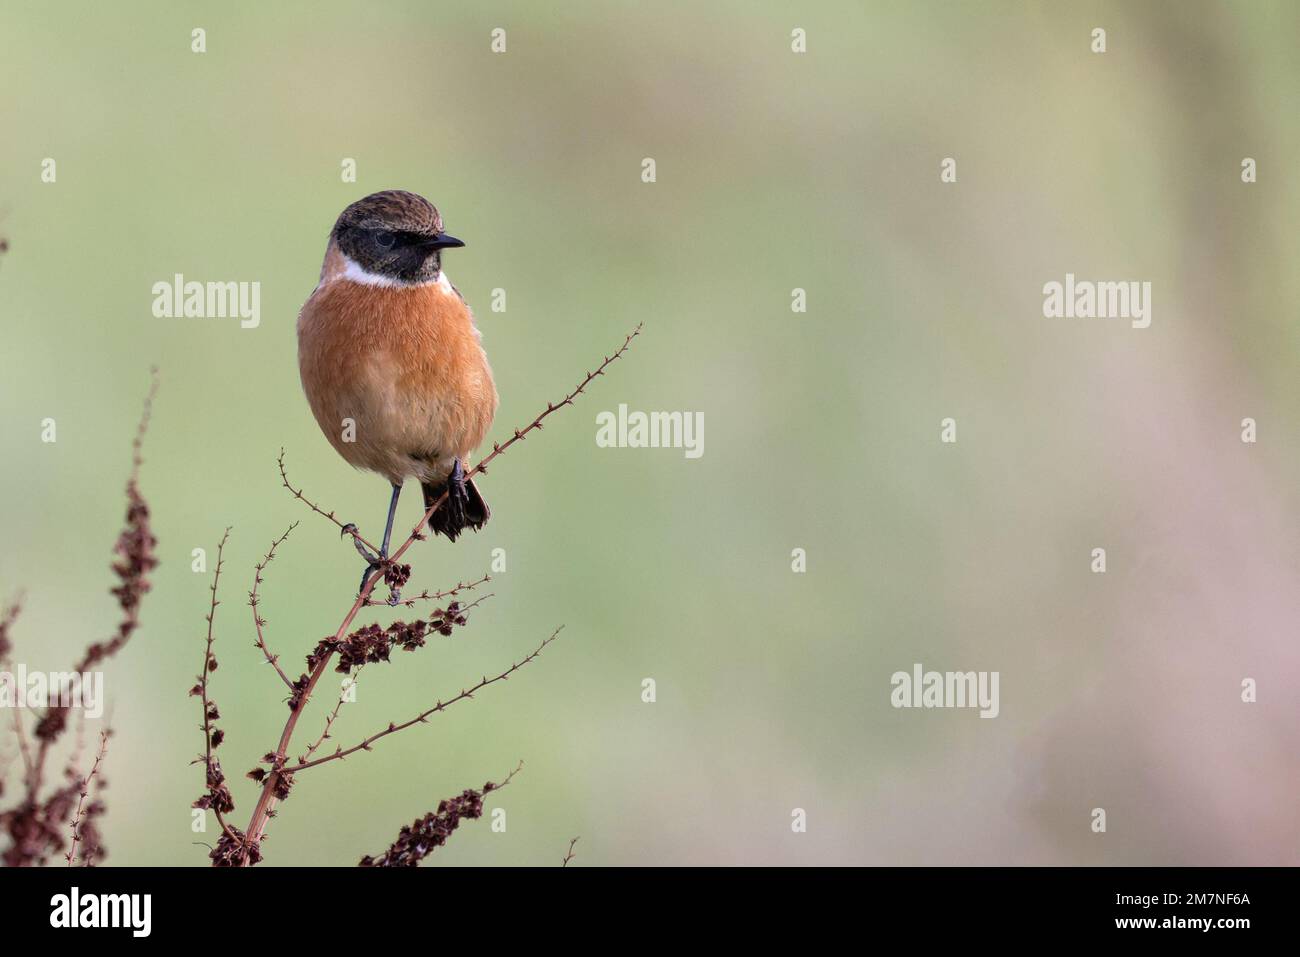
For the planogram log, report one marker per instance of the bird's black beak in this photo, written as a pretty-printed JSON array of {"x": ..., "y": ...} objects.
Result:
[{"x": 441, "y": 241}]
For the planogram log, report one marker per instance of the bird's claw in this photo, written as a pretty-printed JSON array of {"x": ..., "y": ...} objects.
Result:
[{"x": 370, "y": 557}]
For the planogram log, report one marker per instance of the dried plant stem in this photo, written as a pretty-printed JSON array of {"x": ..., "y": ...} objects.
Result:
[
  {"x": 434, "y": 596},
  {"x": 569, "y": 855},
  {"x": 7, "y": 620},
  {"x": 520, "y": 434},
  {"x": 34, "y": 827},
  {"x": 424, "y": 716},
  {"x": 426, "y": 834},
  {"x": 331, "y": 718},
  {"x": 6, "y": 760},
  {"x": 135, "y": 548},
  {"x": 298, "y": 494},
  {"x": 203, "y": 681},
  {"x": 29, "y": 768},
  {"x": 258, "y": 620},
  {"x": 85, "y": 789},
  {"x": 78, "y": 747},
  {"x": 266, "y": 801},
  {"x": 356, "y": 673}
]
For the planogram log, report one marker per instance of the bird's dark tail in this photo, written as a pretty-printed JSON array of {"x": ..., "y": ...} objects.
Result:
[{"x": 463, "y": 509}]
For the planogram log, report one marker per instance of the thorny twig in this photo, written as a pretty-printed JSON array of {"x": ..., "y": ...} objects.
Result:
[
  {"x": 424, "y": 716},
  {"x": 7, "y": 619},
  {"x": 85, "y": 789},
  {"x": 348, "y": 683},
  {"x": 432, "y": 596},
  {"x": 351, "y": 682},
  {"x": 258, "y": 620},
  {"x": 70, "y": 770},
  {"x": 569, "y": 855},
  {"x": 218, "y": 797},
  {"x": 24, "y": 749},
  {"x": 344, "y": 528},
  {"x": 519, "y": 435}
]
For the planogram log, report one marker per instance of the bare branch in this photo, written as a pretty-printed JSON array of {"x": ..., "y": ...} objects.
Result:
[
  {"x": 331, "y": 718},
  {"x": 85, "y": 789},
  {"x": 298, "y": 494},
  {"x": 569, "y": 855},
  {"x": 424, "y": 716},
  {"x": 29, "y": 768},
  {"x": 432, "y": 596},
  {"x": 258, "y": 620},
  {"x": 370, "y": 640},
  {"x": 35, "y": 826},
  {"x": 519, "y": 436},
  {"x": 218, "y": 798},
  {"x": 7, "y": 620}
]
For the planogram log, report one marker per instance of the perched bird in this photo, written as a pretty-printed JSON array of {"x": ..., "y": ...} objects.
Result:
[{"x": 391, "y": 360}]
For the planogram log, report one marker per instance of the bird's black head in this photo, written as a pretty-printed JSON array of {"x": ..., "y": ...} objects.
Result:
[{"x": 394, "y": 235}]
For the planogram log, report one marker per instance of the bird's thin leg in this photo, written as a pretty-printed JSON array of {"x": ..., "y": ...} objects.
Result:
[
  {"x": 392, "y": 514},
  {"x": 374, "y": 562}
]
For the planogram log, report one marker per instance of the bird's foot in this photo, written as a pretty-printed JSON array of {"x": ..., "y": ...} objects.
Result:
[
  {"x": 374, "y": 563},
  {"x": 370, "y": 557}
]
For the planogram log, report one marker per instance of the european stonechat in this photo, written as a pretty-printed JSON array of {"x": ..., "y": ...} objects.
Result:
[{"x": 391, "y": 360}]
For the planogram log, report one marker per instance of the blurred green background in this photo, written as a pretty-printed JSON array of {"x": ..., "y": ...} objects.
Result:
[{"x": 775, "y": 170}]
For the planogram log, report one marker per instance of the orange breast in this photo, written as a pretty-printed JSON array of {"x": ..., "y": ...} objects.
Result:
[{"x": 396, "y": 376}]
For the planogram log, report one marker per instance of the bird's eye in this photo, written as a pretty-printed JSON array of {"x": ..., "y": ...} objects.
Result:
[{"x": 385, "y": 238}]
